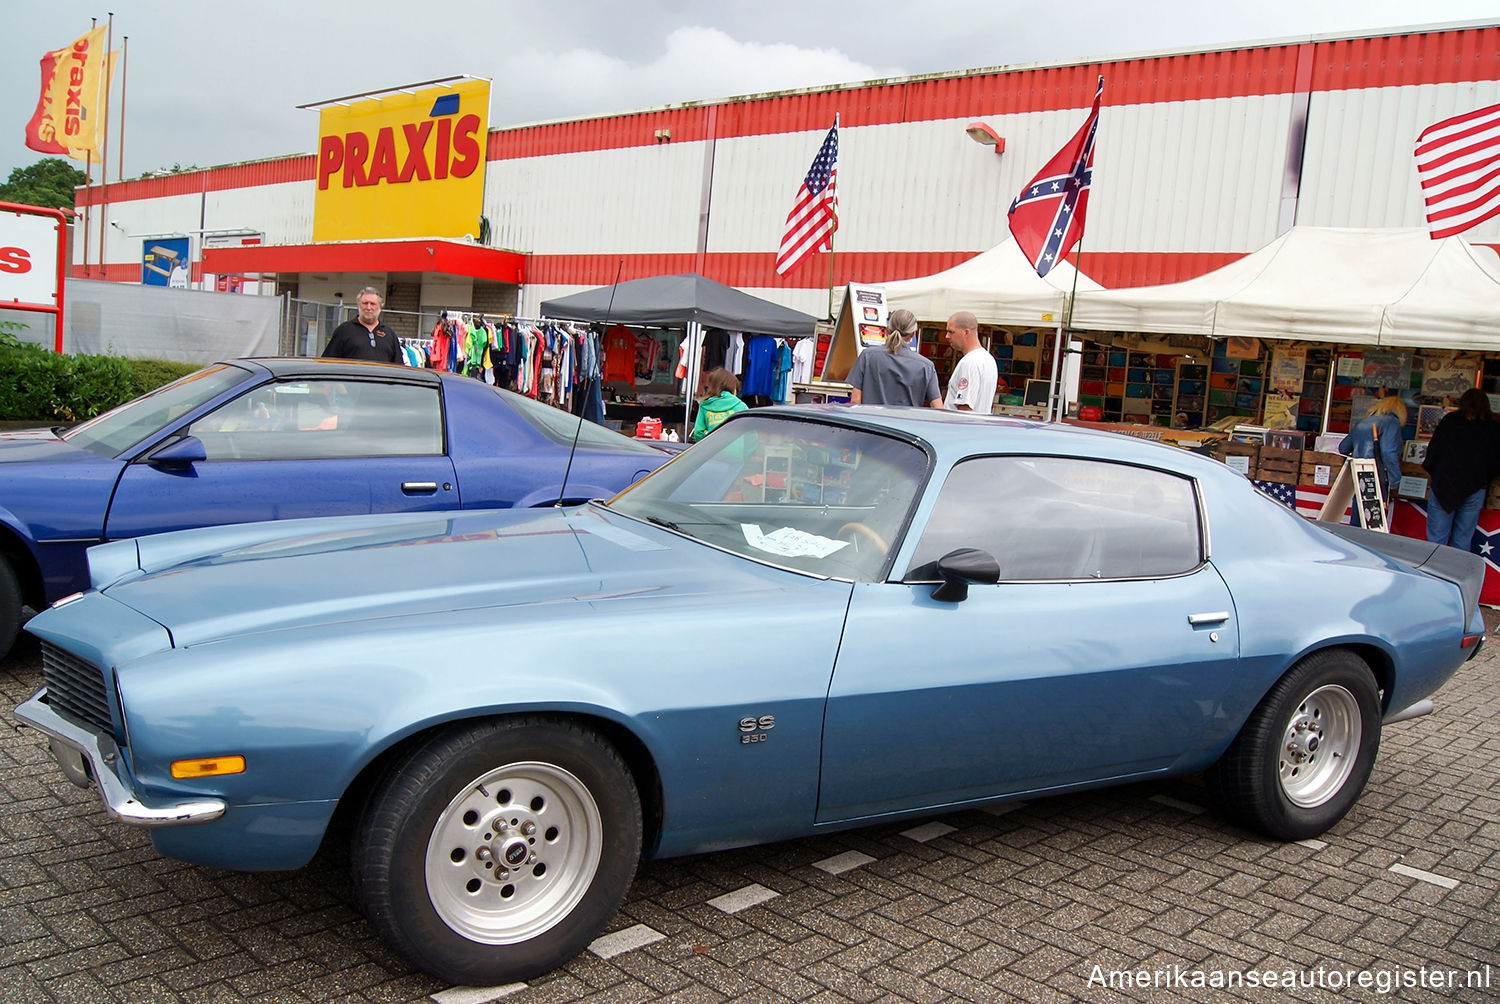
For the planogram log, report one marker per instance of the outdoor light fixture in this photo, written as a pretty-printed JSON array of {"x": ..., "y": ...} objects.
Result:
[
  {"x": 979, "y": 132},
  {"x": 664, "y": 135}
]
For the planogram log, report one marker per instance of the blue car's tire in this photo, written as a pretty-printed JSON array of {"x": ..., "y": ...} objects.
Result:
[
  {"x": 1306, "y": 752},
  {"x": 497, "y": 851},
  {"x": 10, "y": 607}
]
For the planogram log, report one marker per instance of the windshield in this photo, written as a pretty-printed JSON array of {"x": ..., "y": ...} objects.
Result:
[
  {"x": 812, "y": 496},
  {"x": 560, "y": 427},
  {"x": 114, "y": 432}
]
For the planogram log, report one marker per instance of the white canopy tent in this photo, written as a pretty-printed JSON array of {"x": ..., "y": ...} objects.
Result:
[
  {"x": 1394, "y": 287},
  {"x": 999, "y": 286}
]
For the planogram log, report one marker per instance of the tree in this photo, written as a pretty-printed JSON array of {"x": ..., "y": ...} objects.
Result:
[{"x": 49, "y": 182}]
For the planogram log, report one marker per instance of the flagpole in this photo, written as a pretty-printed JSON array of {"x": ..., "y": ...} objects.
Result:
[
  {"x": 104, "y": 68},
  {"x": 124, "y": 65},
  {"x": 835, "y": 225},
  {"x": 830, "y": 277}
]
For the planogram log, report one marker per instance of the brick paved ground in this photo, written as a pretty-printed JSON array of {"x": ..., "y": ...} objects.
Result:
[{"x": 972, "y": 906}]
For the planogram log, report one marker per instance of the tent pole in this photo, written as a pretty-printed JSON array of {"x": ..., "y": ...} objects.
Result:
[{"x": 694, "y": 365}]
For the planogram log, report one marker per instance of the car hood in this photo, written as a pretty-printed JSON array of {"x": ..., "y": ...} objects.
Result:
[
  {"x": 216, "y": 583},
  {"x": 33, "y": 445}
]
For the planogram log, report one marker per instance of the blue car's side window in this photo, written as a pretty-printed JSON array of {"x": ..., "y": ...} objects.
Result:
[
  {"x": 1064, "y": 518},
  {"x": 324, "y": 419}
]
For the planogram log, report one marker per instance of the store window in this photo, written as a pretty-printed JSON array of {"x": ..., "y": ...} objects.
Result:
[
  {"x": 324, "y": 419},
  {"x": 1050, "y": 518}
]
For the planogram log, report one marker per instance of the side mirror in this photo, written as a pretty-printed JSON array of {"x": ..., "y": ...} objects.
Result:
[
  {"x": 961, "y": 567},
  {"x": 179, "y": 454}
]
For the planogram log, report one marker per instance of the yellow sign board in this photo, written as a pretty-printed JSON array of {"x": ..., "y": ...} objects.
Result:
[{"x": 405, "y": 164}]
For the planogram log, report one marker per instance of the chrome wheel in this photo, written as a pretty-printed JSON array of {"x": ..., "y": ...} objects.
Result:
[
  {"x": 1319, "y": 746},
  {"x": 513, "y": 853}
]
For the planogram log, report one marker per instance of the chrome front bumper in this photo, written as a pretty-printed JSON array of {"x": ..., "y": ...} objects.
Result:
[{"x": 85, "y": 755}]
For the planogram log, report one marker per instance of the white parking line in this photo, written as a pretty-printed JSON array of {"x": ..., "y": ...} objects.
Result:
[
  {"x": 627, "y": 940},
  {"x": 929, "y": 831},
  {"x": 840, "y": 863},
  {"x": 743, "y": 899},
  {"x": 1421, "y": 876},
  {"x": 476, "y": 995}
]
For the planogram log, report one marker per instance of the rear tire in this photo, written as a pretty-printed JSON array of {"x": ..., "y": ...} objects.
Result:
[
  {"x": 10, "y": 607},
  {"x": 497, "y": 851},
  {"x": 1306, "y": 752}
]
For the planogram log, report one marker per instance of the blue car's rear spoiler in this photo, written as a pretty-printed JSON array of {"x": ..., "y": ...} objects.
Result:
[{"x": 1462, "y": 568}]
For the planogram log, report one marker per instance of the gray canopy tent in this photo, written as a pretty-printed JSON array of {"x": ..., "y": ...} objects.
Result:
[{"x": 688, "y": 301}]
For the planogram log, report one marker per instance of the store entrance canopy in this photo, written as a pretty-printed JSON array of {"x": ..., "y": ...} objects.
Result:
[
  {"x": 1391, "y": 287},
  {"x": 673, "y": 301}
]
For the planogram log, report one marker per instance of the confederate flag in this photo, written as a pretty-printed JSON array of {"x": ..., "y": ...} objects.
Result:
[{"x": 1047, "y": 217}]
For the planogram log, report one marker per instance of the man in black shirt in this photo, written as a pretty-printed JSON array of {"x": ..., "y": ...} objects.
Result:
[{"x": 365, "y": 337}]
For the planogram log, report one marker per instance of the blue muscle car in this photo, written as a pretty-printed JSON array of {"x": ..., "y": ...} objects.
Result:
[
  {"x": 259, "y": 439},
  {"x": 817, "y": 618}
]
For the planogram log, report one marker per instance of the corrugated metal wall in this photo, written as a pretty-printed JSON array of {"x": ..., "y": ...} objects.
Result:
[{"x": 1196, "y": 165}]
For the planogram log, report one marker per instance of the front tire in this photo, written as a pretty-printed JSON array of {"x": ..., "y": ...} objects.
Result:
[
  {"x": 10, "y": 606},
  {"x": 496, "y": 851},
  {"x": 1306, "y": 752}
]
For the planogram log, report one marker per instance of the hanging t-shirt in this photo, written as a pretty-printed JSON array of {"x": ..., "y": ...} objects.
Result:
[
  {"x": 802, "y": 359},
  {"x": 760, "y": 366},
  {"x": 619, "y": 354}
]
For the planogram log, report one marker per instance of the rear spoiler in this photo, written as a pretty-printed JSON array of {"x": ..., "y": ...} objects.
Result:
[{"x": 1462, "y": 568}]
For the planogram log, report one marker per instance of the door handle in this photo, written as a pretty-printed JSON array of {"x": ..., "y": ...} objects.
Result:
[
  {"x": 418, "y": 487},
  {"x": 1215, "y": 617}
]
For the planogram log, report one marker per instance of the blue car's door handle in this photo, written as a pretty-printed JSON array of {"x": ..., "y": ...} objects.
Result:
[
  {"x": 418, "y": 487},
  {"x": 1216, "y": 617}
]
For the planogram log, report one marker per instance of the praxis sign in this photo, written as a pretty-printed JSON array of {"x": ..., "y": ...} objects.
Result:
[{"x": 403, "y": 164}]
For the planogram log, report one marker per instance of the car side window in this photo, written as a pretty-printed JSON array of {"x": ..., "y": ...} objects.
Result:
[
  {"x": 324, "y": 419},
  {"x": 1064, "y": 518}
]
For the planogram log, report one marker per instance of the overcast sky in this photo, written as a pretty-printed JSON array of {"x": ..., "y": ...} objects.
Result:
[{"x": 211, "y": 84}]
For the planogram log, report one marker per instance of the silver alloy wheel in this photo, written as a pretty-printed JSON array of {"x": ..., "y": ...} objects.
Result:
[
  {"x": 514, "y": 852},
  {"x": 1319, "y": 746}
]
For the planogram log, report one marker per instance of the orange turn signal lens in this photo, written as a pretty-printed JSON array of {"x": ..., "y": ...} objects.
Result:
[{"x": 208, "y": 766}]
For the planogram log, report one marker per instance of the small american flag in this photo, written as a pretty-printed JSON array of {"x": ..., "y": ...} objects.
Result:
[
  {"x": 1458, "y": 164},
  {"x": 815, "y": 215}
]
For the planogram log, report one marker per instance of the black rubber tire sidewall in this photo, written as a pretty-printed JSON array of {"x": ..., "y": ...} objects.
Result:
[
  {"x": 390, "y": 845},
  {"x": 10, "y": 606},
  {"x": 1246, "y": 780}
]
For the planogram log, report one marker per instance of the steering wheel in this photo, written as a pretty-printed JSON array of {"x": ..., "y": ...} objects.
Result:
[{"x": 852, "y": 531}]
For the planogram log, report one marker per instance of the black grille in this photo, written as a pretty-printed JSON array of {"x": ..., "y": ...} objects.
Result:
[{"x": 75, "y": 687}]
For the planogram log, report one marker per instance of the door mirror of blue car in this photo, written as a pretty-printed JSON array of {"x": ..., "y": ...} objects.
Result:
[
  {"x": 961, "y": 567},
  {"x": 179, "y": 454}
]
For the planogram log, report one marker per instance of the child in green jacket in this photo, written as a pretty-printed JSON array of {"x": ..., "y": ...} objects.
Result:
[{"x": 718, "y": 402}]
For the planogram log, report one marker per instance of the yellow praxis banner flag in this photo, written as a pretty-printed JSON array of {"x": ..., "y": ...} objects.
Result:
[{"x": 69, "y": 116}]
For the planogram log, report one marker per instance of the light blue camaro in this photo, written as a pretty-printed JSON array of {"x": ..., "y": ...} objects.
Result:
[{"x": 817, "y": 618}]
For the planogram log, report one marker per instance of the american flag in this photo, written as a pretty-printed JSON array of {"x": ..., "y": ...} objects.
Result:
[
  {"x": 1304, "y": 500},
  {"x": 1458, "y": 164},
  {"x": 1046, "y": 219},
  {"x": 815, "y": 215}
]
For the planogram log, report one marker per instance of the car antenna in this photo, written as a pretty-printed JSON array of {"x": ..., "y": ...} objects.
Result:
[{"x": 562, "y": 492}]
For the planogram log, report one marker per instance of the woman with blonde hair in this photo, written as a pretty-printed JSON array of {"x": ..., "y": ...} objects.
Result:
[
  {"x": 1378, "y": 435},
  {"x": 898, "y": 375}
]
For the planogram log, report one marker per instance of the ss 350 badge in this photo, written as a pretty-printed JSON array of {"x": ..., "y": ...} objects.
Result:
[{"x": 753, "y": 730}]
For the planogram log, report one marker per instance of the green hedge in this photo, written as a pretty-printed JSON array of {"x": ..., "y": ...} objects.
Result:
[{"x": 38, "y": 384}]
